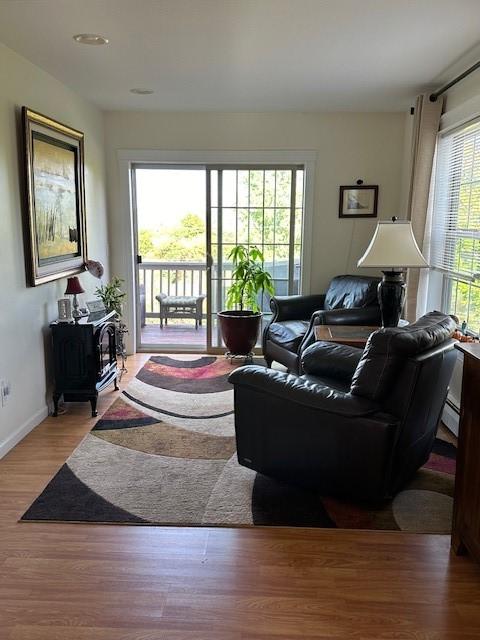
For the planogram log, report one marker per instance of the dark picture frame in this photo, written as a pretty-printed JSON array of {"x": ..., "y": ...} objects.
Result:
[
  {"x": 55, "y": 222},
  {"x": 358, "y": 201}
]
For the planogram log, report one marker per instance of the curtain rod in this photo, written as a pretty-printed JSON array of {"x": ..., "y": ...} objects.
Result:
[{"x": 449, "y": 85}]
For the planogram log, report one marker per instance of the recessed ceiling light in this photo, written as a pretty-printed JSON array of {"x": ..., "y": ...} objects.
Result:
[
  {"x": 142, "y": 92},
  {"x": 90, "y": 38}
]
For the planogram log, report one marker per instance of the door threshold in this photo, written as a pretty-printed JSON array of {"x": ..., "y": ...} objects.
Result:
[{"x": 215, "y": 351}]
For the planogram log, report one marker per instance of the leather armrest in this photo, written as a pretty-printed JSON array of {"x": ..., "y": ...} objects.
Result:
[
  {"x": 331, "y": 359},
  {"x": 302, "y": 391},
  {"x": 295, "y": 307},
  {"x": 368, "y": 316}
]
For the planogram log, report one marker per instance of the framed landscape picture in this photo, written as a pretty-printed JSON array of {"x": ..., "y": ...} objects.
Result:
[
  {"x": 358, "y": 201},
  {"x": 55, "y": 207}
]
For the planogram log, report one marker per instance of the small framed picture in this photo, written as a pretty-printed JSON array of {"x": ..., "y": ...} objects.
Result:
[
  {"x": 64, "y": 310},
  {"x": 94, "y": 306},
  {"x": 358, "y": 201}
]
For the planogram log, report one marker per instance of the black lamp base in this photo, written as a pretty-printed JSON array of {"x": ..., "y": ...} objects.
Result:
[{"x": 391, "y": 297}]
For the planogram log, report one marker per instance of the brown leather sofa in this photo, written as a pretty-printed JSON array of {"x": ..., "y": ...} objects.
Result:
[
  {"x": 358, "y": 423},
  {"x": 348, "y": 300}
]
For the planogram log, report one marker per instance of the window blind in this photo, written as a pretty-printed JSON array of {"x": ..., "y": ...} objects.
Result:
[{"x": 455, "y": 237}]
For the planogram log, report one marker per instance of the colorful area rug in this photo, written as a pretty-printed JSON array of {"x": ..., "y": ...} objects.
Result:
[{"x": 164, "y": 453}]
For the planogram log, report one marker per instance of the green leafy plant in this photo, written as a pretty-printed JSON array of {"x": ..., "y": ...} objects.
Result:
[
  {"x": 112, "y": 295},
  {"x": 249, "y": 278}
]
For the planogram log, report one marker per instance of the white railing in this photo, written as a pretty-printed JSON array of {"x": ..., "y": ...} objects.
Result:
[
  {"x": 171, "y": 278},
  {"x": 189, "y": 279}
]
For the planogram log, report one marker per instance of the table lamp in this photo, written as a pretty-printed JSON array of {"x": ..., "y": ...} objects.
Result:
[
  {"x": 393, "y": 249},
  {"x": 74, "y": 288}
]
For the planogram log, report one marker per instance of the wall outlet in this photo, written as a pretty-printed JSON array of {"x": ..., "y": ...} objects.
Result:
[{"x": 5, "y": 391}]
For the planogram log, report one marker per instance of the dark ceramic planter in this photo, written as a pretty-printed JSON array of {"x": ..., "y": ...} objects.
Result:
[{"x": 239, "y": 330}]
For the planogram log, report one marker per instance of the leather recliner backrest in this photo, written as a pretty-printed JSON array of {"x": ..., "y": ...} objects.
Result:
[
  {"x": 388, "y": 350},
  {"x": 348, "y": 292}
]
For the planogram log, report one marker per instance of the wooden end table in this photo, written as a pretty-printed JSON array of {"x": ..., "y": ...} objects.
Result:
[
  {"x": 466, "y": 507},
  {"x": 350, "y": 335}
]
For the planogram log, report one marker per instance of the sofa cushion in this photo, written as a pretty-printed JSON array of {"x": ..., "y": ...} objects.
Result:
[
  {"x": 388, "y": 348},
  {"x": 347, "y": 292},
  {"x": 326, "y": 381},
  {"x": 288, "y": 334},
  {"x": 337, "y": 361},
  {"x": 179, "y": 301}
]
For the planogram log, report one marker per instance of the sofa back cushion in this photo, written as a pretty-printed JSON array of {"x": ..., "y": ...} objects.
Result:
[
  {"x": 347, "y": 292},
  {"x": 387, "y": 350}
]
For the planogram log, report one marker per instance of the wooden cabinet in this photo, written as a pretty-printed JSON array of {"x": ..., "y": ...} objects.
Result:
[
  {"x": 466, "y": 515},
  {"x": 85, "y": 359}
]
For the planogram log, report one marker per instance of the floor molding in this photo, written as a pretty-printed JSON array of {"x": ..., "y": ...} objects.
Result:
[{"x": 23, "y": 430}]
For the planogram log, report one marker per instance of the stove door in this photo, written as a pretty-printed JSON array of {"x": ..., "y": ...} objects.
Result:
[{"x": 106, "y": 349}]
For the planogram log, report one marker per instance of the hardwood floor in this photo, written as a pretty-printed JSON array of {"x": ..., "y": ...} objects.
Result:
[
  {"x": 183, "y": 334},
  {"x": 109, "y": 582}
]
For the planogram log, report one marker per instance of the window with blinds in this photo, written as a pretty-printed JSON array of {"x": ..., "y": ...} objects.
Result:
[{"x": 455, "y": 237}]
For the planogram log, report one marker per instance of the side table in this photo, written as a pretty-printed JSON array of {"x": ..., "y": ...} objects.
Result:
[
  {"x": 466, "y": 507},
  {"x": 353, "y": 336}
]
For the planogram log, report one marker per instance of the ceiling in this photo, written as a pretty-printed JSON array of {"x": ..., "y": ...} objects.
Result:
[{"x": 246, "y": 55}]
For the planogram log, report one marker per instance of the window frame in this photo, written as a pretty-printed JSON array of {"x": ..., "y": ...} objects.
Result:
[{"x": 452, "y": 277}]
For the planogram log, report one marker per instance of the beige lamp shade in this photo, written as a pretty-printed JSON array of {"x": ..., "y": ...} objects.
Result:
[{"x": 393, "y": 246}]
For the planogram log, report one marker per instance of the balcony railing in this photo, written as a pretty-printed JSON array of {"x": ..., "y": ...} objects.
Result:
[
  {"x": 190, "y": 279},
  {"x": 171, "y": 278}
]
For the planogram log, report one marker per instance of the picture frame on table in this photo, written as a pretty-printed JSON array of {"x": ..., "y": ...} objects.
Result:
[
  {"x": 55, "y": 222},
  {"x": 95, "y": 306},
  {"x": 358, "y": 201}
]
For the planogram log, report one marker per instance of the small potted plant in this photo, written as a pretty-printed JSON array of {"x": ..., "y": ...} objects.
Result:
[
  {"x": 112, "y": 296},
  {"x": 240, "y": 322}
]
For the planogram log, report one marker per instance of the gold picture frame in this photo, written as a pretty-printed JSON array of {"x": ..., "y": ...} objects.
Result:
[{"x": 55, "y": 224}]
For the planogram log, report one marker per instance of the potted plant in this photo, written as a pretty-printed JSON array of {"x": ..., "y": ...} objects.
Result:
[
  {"x": 240, "y": 322},
  {"x": 112, "y": 296}
]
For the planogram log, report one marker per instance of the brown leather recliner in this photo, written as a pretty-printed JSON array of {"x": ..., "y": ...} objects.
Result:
[
  {"x": 348, "y": 300},
  {"x": 359, "y": 423}
]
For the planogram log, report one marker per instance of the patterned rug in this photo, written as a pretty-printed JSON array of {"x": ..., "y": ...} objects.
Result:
[{"x": 164, "y": 453}]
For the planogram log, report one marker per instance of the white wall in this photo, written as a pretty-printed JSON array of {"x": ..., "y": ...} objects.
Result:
[
  {"x": 25, "y": 312},
  {"x": 463, "y": 100},
  {"x": 349, "y": 146}
]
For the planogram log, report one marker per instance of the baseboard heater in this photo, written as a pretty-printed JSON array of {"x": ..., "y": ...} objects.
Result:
[{"x": 451, "y": 416}]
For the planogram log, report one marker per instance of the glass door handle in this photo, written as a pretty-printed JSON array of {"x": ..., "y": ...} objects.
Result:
[{"x": 209, "y": 261}]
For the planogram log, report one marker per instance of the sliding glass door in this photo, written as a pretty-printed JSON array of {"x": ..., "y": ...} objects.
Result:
[
  {"x": 253, "y": 205},
  {"x": 187, "y": 220}
]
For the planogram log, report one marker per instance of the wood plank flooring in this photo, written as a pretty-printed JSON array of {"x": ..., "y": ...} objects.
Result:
[
  {"x": 110, "y": 582},
  {"x": 183, "y": 334}
]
